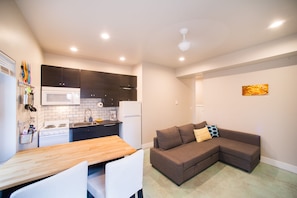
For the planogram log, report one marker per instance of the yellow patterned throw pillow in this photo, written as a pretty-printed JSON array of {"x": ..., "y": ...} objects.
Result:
[{"x": 202, "y": 134}]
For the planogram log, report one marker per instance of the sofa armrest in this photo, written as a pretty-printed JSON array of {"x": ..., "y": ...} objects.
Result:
[
  {"x": 240, "y": 136},
  {"x": 167, "y": 165},
  {"x": 156, "y": 144}
]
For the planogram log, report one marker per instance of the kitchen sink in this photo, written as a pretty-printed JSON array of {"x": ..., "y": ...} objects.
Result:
[
  {"x": 86, "y": 124},
  {"x": 77, "y": 124}
]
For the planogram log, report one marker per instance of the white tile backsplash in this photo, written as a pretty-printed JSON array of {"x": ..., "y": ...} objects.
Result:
[{"x": 76, "y": 113}]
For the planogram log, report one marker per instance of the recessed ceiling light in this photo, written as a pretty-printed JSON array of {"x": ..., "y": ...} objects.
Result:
[
  {"x": 122, "y": 58},
  {"x": 181, "y": 59},
  {"x": 105, "y": 36},
  {"x": 73, "y": 49},
  {"x": 276, "y": 24}
]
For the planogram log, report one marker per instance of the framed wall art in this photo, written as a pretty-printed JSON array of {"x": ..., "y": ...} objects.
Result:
[{"x": 255, "y": 90}]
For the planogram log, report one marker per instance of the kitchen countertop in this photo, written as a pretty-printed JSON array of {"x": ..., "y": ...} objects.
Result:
[
  {"x": 89, "y": 124},
  {"x": 33, "y": 164}
]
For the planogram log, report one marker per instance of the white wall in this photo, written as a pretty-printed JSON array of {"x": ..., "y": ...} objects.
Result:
[
  {"x": 272, "y": 116},
  {"x": 167, "y": 100},
  {"x": 282, "y": 47},
  {"x": 199, "y": 99},
  {"x": 17, "y": 40}
]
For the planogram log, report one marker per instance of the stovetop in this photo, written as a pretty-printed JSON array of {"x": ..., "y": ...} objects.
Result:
[{"x": 55, "y": 124}]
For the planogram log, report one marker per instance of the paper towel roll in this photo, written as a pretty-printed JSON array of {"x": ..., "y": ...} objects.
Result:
[{"x": 100, "y": 104}]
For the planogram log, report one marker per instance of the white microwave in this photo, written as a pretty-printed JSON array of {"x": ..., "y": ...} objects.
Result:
[{"x": 60, "y": 96}]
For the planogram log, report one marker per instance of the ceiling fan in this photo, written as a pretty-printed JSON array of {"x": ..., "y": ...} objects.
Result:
[{"x": 184, "y": 45}]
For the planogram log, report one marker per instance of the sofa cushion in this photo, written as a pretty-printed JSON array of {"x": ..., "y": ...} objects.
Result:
[
  {"x": 238, "y": 149},
  {"x": 240, "y": 136},
  {"x": 192, "y": 153},
  {"x": 187, "y": 133},
  {"x": 202, "y": 134},
  {"x": 200, "y": 125},
  {"x": 169, "y": 138},
  {"x": 213, "y": 130}
]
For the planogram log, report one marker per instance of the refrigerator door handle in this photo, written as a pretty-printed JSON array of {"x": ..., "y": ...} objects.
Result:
[{"x": 129, "y": 116}]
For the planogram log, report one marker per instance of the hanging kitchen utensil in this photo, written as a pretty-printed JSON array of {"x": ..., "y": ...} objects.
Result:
[{"x": 28, "y": 101}]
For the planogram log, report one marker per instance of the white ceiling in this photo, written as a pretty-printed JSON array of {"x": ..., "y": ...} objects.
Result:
[{"x": 148, "y": 30}]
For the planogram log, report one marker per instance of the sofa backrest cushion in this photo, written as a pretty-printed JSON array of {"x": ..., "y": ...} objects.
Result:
[
  {"x": 240, "y": 136},
  {"x": 169, "y": 138},
  {"x": 200, "y": 125},
  {"x": 187, "y": 133}
]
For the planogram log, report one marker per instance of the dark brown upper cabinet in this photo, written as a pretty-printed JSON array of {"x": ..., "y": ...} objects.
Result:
[
  {"x": 59, "y": 76},
  {"x": 91, "y": 84},
  {"x": 111, "y": 88},
  {"x": 128, "y": 85},
  {"x": 100, "y": 85},
  {"x": 128, "y": 94},
  {"x": 127, "y": 81}
]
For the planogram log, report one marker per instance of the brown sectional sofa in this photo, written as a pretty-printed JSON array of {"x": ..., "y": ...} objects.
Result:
[{"x": 178, "y": 156}]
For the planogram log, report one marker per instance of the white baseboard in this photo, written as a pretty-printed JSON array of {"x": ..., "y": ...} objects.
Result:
[
  {"x": 148, "y": 145},
  {"x": 279, "y": 164}
]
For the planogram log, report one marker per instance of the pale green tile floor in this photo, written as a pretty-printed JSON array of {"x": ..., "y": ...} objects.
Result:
[{"x": 222, "y": 181}]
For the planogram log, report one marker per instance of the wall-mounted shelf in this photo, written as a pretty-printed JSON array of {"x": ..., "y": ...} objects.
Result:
[{"x": 23, "y": 84}]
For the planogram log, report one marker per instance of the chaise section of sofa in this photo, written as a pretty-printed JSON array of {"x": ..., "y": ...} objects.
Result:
[
  {"x": 178, "y": 156},
  {"x": 239, "y": 149}
]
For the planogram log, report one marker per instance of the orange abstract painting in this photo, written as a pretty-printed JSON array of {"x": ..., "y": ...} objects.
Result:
[{"x": 255, "y": 90}]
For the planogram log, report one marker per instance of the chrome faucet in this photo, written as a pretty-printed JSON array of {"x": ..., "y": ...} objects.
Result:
[{"x": 90, "y": 116}]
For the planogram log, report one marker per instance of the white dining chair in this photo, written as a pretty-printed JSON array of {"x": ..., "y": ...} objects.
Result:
[
  {"x": 71, "y": 183},
  {"x": 121, "y": 178}
]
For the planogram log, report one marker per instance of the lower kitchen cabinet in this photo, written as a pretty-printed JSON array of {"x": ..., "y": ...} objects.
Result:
[{"x": 94, "y": 131}]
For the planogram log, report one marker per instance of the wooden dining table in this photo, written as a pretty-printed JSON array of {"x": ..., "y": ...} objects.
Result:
[{"x": 34, "y": 164}]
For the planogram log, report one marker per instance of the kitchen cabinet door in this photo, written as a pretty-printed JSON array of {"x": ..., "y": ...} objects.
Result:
[
  {"x": 127, "y": 94},
  {"x": 110, "y": 87},
  {"x": 111, "y": 98},
  {"x": 59, "y": 77},
  {"x": 127, "y": 89},
  {"x": 127, "y": 81},
  {"x": 90, "y": 84},
  {"x": 108, "y": 129},
  {"x": 83, "y": 133},
  {"x": 71, "y": 77},
  {"x": 51, "y": 76},
  {"x": 110, "y": 81}
]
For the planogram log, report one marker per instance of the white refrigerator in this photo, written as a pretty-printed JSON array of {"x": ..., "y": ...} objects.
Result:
[
  {"x": 130, "y": 129},
  {"x": 8, "y": 101}
]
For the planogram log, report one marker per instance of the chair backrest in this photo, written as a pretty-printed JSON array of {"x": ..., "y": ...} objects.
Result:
[
  {"x": 124, "y": 177},
  {"x": 71, "y": 183}
]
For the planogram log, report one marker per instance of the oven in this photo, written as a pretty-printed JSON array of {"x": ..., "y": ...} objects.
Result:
[{"x": 54, "y": 132}]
